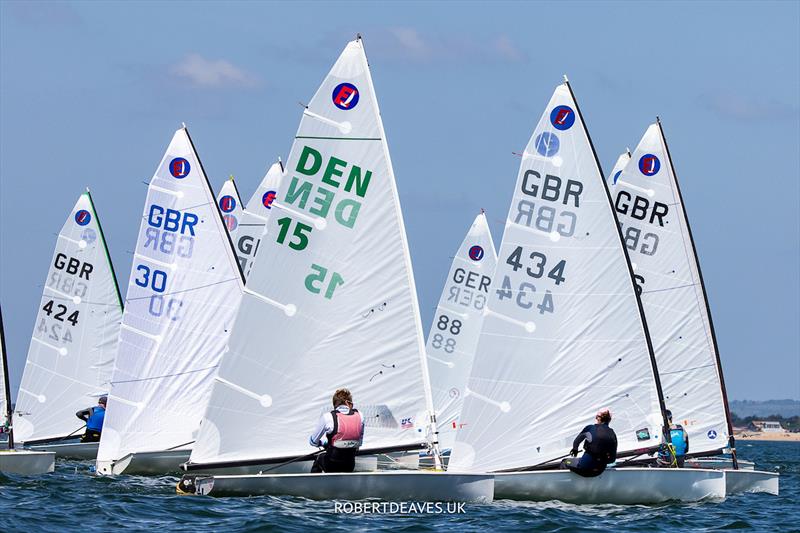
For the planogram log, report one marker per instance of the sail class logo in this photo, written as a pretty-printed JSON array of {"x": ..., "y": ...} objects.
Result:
[
  {"x": 179, "y": 167},
  {"x": 345, "y": 96},
  {"x": 227, "y": 203},
  {"x": 547, "y": 144},
  {"x": 476, "y": 253},
  {"x": 83, "y": 217},
  {"x": 616, "y": 176},
  {"x": 562, "y": 117},
  {"x": 649, "y": 165},
  {"x": 230, "y": 222},
  {"x": 268, "y": 198},
  {"x": 712, "y": 434}
]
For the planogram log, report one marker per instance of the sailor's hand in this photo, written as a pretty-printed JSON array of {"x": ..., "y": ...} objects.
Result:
[{"x": 574, "y": 452}]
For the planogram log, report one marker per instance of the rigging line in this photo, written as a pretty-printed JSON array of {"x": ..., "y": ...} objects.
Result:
[
  {"x": 670, "y": 288},
  {"x": 184, "y": 290},
  {"x": 164, "y": 376},
  {"x": 710, "y": 365}
]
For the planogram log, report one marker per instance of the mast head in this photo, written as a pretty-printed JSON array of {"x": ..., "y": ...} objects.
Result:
[
  {"x": 183, "y": 125},
  {"x": 358, "y": 36},
  {"x": 658, "y": 119},
  {"x": 565, "y": 79}
]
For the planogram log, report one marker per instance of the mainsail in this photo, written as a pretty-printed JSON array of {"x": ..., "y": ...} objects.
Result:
[
  {"x": 230, "y": 204},
  {"x": 656, "y": 231},
  {"x": 183, "y": 293},
  {"x": 563, "y": 333},
  {"x": 335, "y": 305},
  {"x": 254, "y": 219},
  {"x": 74, "y": 340},
  {"x": 453, "y": 336}
]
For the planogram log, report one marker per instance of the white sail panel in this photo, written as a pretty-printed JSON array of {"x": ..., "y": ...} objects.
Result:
[
  {"x": 563, "y": 335},
  {"x": 230, "y": 205},
  {"x": 453, "y": 337},
  {"x": 335, "y": 305},
  {"x": 619, "y": 166},
  {"x": 183, "y": 293},
  {"x": 656, "y": 231},
  {"x": 75, "y": 336},
  {"x": 255, "y": 218}
]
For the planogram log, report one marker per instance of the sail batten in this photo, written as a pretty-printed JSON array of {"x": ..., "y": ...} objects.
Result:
[
  {"x": 330, "y": 299},
  {"x": 564, "y": 334}
]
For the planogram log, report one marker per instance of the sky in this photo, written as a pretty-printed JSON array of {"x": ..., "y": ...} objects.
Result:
[{"x": 91, "y": 93}]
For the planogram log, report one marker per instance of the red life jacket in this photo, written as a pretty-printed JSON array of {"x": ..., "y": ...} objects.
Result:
[{"x": 347, "y": 430}]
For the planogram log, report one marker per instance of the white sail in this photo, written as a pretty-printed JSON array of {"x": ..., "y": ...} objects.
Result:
[
  {"x": 619, "y": 166},
  {"x": 254, "y": 219},
  {"x": 656, "y": 231},
  {"x": 75, "y": 336},
  {"x": 335, "y": 305},
  {"x": 230, "y": 205},
  {"x": 453, "y": 337},
  {"x": 564, "y": 334},
  {"x": 183, "y": 293}
]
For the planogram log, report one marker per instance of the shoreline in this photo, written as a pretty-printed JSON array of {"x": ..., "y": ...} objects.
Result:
[{"x": 771, "y": 437}]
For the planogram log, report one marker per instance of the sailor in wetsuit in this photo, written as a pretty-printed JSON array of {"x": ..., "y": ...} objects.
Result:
[
  {"x": 679, "y": 439},
  {"x": 343, "y": 429},
  {"x": 94, "y": 420},
  {"x": 599, "y": 444}
]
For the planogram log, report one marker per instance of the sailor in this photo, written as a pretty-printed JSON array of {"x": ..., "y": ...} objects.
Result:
[
  {"x": 679, "y": 439},
  {"x": 599, "y": 444},
  {"x": 343, "y": 430},
  {"x": 94, "y": 420}
]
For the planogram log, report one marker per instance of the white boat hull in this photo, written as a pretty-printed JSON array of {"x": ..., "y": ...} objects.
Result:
[
  {"x": 622, "y": 486},
  {"x": 157, "y": 463},
  {"x": 740, "y": 481},
  {"x": 366, "y": 463},
  {"x": 26, "y": 462},
  {"x": 84, "y": 451},
  {"x": 387, "y": 486}
]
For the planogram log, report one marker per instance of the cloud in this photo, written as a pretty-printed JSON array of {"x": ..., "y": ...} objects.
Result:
[
  {"x": 749, "y": 109},
  {"x": 212, "y": 73},
  {"x": 408, "y": 44}
]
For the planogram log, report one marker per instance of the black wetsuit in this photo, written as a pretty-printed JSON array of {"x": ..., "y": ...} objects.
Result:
[{"x": 600, "y": 449}]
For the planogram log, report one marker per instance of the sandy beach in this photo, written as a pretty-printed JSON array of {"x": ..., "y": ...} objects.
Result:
[{"x": 788, "y": 437}]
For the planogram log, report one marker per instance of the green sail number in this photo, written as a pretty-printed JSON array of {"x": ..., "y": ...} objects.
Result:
[{"x": 315, "y": 281}]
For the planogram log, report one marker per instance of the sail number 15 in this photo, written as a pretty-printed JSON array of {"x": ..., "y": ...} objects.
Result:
[{"x": 316, "y": 282}]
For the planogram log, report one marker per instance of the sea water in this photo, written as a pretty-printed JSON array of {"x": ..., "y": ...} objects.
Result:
[{"x": 72, "y": 499}]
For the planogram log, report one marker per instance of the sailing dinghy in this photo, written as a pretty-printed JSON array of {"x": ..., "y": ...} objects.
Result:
[
  {"x": 74, "y": 341},
  {"x": 564, "y": 335},
  {"x": 14, "y": 460},
  {"x": 230, "y": 205},
  {"x": 656, "y": 230},
  {"x": 335, "y": 305},
  {"x": 453, "y": 337},
  {"x": 183, "y": 293}
]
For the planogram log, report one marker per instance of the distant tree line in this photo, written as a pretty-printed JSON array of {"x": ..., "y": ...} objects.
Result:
[{"x": 791, "y": 423}]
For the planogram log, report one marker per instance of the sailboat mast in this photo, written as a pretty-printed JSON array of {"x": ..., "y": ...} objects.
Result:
[
  {"x": 216, "y": 209},
  {"x": 650, "y": 350},
  {"x": 7, "y": 386},
  {"x": 105, "y": 249},
  {"x": 731, "y": 439}
]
